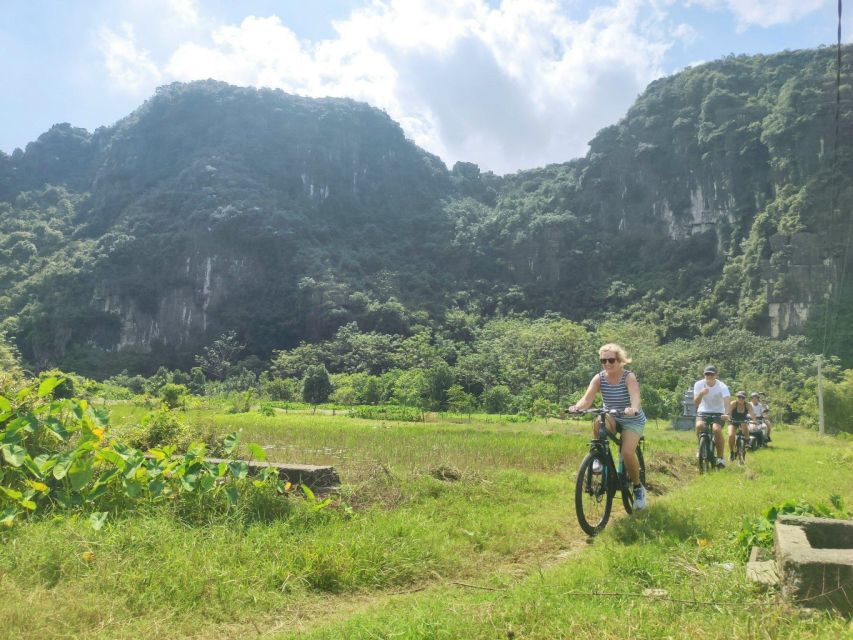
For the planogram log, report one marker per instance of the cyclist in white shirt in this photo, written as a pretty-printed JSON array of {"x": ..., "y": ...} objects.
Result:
[
  {"x": 712, "y": 399},
  {"x": 759, "y": 406}
]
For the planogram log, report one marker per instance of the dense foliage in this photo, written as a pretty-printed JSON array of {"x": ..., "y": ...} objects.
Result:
[
  {"x": 58, "y": 454},
  {"x": 291, "y": 224}
]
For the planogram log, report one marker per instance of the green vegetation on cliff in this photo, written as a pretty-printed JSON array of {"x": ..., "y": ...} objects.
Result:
[{"x": 213, "y": 208}]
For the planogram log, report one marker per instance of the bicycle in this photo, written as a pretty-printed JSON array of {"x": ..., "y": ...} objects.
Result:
[
  {"x": 594, "y": 490},
  {"x": 741, "y": 442},
  {"x": 757, "y": 433},
  {"x": 706, "y": 456}
]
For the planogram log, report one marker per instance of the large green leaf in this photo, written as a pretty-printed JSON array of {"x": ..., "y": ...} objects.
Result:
[
  {"x": 257, "y": 451},
  {"x": 230, "y": 442},
  {"x": 239, "y": 469},
  {"x": 207, "y": 483},
  {"x": 97, "y": 492},
  {"x": 107, "y": 477},
  {"x": 5, "y": 405},
  {"x": 111, "y": 456},
  {"x": 156, "y": 486},
  {"x": 80, "y": 473},
  {"x": 33, "y": 467},
  {"x": 45, "y": 462},
  {"x": 63, "y": 463},
  {"x": 14, "y": 454},
  {"x": 12, "y": 493},
  {"x": 189, "y": 481},
  {"x": 132, "y": 488},
  {"x": 48, "y": 385},
  {"x": 231, "y": 492}
]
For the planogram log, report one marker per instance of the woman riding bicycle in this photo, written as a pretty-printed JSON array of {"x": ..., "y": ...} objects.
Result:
[
  {"x": 620, "y": 392},
  {"x": 740, "y": 412}
]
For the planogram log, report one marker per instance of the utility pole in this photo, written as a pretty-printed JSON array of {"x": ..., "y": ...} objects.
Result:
[{"x": 820, "y": 395}]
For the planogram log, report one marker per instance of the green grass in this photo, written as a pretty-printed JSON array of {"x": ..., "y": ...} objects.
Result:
[{"x": 497, "y": 553}]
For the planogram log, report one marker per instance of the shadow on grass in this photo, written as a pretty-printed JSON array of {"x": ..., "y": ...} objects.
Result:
[{"x": 658, "y": 521}]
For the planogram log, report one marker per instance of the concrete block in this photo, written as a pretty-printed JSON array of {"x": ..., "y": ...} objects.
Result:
[{"x": 815, "y": 561}]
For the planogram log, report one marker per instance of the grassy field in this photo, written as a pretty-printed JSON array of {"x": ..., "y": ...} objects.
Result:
[{"x": 406, "y": 552}]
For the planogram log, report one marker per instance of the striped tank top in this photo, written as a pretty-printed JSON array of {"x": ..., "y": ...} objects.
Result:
[{"x": 616, "y": 396}]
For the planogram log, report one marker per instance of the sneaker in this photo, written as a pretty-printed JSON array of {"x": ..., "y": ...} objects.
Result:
[
  {"x": 596, "y": 466},
  {"x": 640, "y": 497},
  {"x": 720, "y": 463}
]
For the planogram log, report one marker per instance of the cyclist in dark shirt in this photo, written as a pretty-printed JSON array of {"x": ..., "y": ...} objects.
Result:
[{"x": 740, "y": 411}]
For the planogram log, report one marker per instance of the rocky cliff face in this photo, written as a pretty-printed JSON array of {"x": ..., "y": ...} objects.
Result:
[{"x": 214, "y": 207}]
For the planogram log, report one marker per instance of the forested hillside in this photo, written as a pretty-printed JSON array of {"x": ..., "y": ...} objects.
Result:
[{"x": 720, "y": 200}]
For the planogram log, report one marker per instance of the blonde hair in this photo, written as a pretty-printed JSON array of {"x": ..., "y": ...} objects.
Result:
[{"x": 618, "y": 349}]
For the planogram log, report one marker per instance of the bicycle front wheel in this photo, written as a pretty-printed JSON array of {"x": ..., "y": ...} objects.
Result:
[
  {"x": 741, "y": 451},
  {"x": 706, "y": 454},
  {"x": 593, "y": 494}
]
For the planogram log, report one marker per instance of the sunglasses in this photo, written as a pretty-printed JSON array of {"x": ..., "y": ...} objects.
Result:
[{"x": 607, "y": 360}]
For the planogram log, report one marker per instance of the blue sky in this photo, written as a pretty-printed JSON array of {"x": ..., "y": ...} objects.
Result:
[{"x": 508, "y": 84}]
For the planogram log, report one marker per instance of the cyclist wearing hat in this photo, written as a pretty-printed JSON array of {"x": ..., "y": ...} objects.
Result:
[
  {"x": 740, "y": 411},
  {"x": 711, "y": 397}
]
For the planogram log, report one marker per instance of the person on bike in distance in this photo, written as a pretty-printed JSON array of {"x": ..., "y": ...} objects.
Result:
[
  {"x": 620, "y": 391},
  {"x": 739, "y": 411},
  {"x": 760, "y": 408},
  {"x": 711, "y": 397}
]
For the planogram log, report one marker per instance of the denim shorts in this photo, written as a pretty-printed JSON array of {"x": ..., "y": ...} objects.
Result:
[{"x": 633, "y": 423}]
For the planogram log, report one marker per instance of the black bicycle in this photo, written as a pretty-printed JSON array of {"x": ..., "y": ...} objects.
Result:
[
  {"x": 741, "y": 441},
  {"x": 706, "y": 458},
  {"x": 599, "y": 477}
]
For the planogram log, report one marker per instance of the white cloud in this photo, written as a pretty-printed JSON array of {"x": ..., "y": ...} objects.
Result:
[
  {"x": 508, "y": 87},
  {"x": 185, "y": 10},
  {"x": 763, "y": 13},
  {"x": 129, "y": 67}
]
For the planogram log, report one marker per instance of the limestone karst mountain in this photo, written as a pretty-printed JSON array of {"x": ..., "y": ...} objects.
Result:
[{"x": 214, "y": 207}]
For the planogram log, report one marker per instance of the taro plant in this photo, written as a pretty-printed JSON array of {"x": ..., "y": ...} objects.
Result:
[
  {"x": 759, "y": 532},
  {"x": 56, "y": 454}
]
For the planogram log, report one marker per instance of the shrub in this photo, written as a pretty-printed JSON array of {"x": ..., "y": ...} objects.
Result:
[
  {"x": 280, "y": 389},
  {"x": 68, "y": 388},
  {"x": 173, "y": 395},
  {"x": 162, "y": 428},
  {"x": 387, "y": 412},
  {"x": 838, "y": 404}
]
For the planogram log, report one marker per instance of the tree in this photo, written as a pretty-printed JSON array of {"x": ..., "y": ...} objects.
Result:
[
  {"x": 459, "y": 401},
  {"x": 412, "y": 390},
  {"x": 316, "y": 386},
  {"x": 217, "y": 359},
  {"x": 496, "y": 399}
]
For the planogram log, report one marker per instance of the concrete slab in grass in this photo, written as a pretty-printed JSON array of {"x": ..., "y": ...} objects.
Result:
[{"x": 815, "y": 561}]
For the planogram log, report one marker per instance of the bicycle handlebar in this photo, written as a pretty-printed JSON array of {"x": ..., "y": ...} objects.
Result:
[{"x": 597, "y": 410}]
